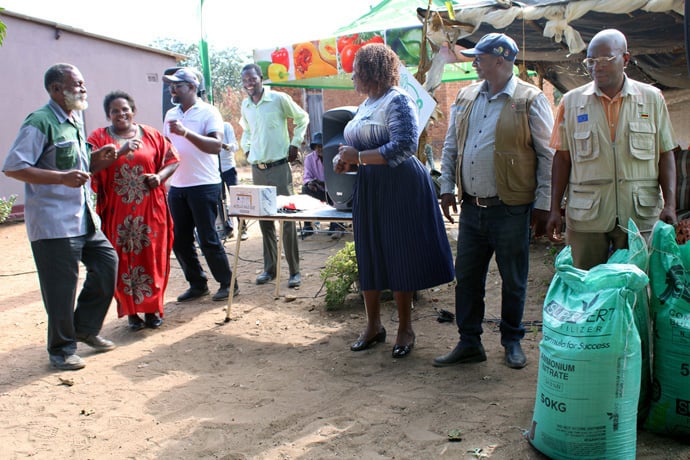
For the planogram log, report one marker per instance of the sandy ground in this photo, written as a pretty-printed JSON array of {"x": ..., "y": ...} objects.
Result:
[{"x": 276, "y": 382}]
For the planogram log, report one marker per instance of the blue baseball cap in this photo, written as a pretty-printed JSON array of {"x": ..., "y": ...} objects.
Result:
[
  {"x": 316, "y": 139},
  {"x": 496, "y": 45}
]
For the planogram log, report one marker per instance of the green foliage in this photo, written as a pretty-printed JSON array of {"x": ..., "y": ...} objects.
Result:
[
  {"x": 340, "y": 275},
  {"x": 226, "y": 64},
  {"x": 3, "y": 29},
  {"x": 550, "y": 256},
  {"x": 6, "y": 207}
]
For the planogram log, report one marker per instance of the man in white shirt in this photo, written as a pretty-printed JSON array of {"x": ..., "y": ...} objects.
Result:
[{"x": 196, "y": 130}]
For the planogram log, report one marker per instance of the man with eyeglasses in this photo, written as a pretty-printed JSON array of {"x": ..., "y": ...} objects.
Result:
[
  {"x": 496, "y": 151},
  {"x": 614, "y": 141},
  {"x": 195, "y": 128}
]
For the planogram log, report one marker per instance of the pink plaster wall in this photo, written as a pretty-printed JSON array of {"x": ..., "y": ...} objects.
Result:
[{"x": 31, "y": 46}]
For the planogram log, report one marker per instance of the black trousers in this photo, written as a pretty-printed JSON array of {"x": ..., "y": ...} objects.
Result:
[{"x": 57, "y": 261}]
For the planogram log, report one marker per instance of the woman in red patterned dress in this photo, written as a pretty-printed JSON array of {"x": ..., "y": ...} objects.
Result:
[{"x": 132, "y": 203}]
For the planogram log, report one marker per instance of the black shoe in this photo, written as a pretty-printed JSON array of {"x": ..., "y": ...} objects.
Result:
[
  {"x": 515, "y": 358},
  {"x": 67, "y": 363},
  {"x": 152, "y": 320},
  {"x": 192, "y": 293},
  {"x": 362, "y": 343},
  {"x": 461, "y": 354},
  {"x": 400, "y": 351},
  {"x": 295, "y": 280},
  {"x": 96, "y": 342},
  {"x": 135, "y": 323},
  {"x": 264, "y": 278},
  {"x": 222, "y": 294}
]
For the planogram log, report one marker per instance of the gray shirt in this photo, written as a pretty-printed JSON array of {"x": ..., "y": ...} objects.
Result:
[
  {"x": 50, "y": 140},
  {"x": 478, "y": 174}
]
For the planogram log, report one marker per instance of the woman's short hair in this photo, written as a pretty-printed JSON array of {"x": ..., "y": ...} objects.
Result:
[
  {"x": 110, "y": 97},
  {"x": 377, "y": 64}
]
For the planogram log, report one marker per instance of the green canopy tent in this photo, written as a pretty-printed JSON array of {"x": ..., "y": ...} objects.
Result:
[
  {"x": 452, "y": 72},
  {"x": 393, "y": 21}
]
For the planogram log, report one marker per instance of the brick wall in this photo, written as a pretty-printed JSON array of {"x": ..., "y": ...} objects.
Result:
[{"x": 445, "y": 96}]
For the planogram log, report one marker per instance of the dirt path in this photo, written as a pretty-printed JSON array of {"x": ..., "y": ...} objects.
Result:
[{"x": 277, "y": 382}]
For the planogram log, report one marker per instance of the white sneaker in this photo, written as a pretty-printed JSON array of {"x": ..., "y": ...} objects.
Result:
[{"x": 67, "y": 363}]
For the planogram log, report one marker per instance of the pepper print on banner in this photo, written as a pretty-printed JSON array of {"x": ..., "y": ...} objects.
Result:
[{"x": 309, "y": 63}]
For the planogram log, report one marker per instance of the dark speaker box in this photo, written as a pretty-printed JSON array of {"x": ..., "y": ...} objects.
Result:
[{"x": 339, "y": 187}]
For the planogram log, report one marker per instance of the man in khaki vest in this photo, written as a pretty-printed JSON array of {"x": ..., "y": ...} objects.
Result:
[
  {"x": 614, "y": 142},
  {"x": 496, "y": 152}
]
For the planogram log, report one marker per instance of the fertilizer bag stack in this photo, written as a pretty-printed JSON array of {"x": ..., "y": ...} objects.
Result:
[
  {"x": 590, "y": 363},
  {"x": 669, "y": 276}
]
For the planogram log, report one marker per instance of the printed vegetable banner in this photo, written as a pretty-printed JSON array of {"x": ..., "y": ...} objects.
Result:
[
  {"x": 348, "y": 45},
  {"x": 333, "y": 55},
  {"x": 299, "y": 61}
]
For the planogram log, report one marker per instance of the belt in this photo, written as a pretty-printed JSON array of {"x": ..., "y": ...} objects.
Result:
[
  {"x": 482, "y": 202},
  {"x": 270, "y": 165}
]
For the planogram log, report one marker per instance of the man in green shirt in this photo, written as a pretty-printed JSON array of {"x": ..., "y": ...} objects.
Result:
[{"x": 266, "y": 142}]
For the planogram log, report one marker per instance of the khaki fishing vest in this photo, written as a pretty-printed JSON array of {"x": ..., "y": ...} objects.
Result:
[
  {"x": 515, "y": 160},
  {"x": 611, "y": 182}
]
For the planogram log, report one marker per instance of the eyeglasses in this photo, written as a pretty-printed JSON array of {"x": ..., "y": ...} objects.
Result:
[
  {"x": 175, "y": 86},
  {"x": 602, "y": 61}
]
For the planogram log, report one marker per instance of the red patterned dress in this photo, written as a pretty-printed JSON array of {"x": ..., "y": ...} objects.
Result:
[{"x": 136, "y": 220}]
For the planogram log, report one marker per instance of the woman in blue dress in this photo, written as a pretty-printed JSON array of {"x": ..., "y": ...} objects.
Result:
[{"x": 400, "y": 237}]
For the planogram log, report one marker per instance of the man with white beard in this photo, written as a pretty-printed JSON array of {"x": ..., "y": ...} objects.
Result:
[{"x": 51, "y": 157}]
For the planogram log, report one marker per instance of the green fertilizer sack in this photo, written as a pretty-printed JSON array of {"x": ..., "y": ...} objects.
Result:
[
  {"x": 670, "y": 307},
  {"x": 638, "y": 255},
  {"x": 590, "y": 362}
]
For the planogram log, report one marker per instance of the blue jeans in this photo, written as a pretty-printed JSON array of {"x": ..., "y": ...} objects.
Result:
[
  {"x": 197, "y": 207},
  {"x": 503, "y": 230},
  {"x": 229, "y": 178},
  {"x": 57, "y": 262}
]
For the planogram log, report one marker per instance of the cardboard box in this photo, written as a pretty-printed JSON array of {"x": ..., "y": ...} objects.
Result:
[{"x": 253, "y": 200}]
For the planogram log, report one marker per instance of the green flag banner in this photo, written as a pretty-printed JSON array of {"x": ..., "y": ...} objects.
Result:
[{"x": 203, "y": 55}]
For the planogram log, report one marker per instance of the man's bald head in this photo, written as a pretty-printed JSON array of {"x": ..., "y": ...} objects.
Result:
[
  {"x": 607, "y": 57},
  {"x": 611, "y": 37}
]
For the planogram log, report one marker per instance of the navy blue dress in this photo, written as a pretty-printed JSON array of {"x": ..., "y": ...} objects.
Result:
[{"x": 400, "y": 238}]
